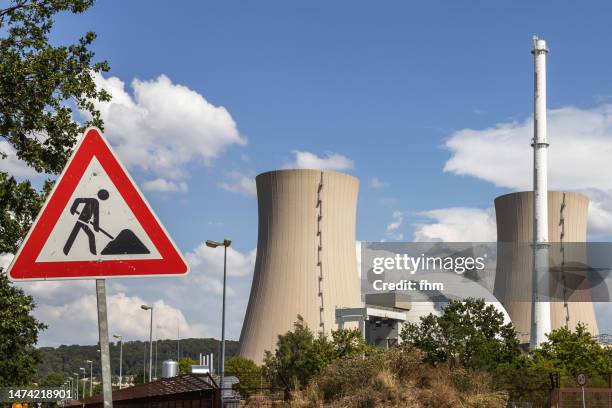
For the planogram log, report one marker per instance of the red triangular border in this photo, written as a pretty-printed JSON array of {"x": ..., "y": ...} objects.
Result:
[{"x": 25, "y": 267}]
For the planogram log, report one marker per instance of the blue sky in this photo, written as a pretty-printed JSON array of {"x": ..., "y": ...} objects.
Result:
[{"x": 384, "y": 87}]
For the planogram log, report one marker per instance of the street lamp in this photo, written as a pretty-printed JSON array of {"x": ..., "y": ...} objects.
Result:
[
  {"x": 90, "y": 377},
  {"x": 120, "y": 337},
  {"x": 77, "y": 385},
  {"x": 82, "y": 370},
  {"x": 214, "y": 244},
  {"x": 145, "y": 307},
  {"x": 71, "y": 388}
]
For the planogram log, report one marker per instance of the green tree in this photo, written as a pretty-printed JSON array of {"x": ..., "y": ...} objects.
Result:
[
  {"x": 18, "y": 335},
  {"x": 40, "y": 83},
  {"x": 298, "y": 355},
  {"x": 348, "y": 342},
  {"x": 53, "y": 380},
  {"x": 185, "y": 364},
  {"x": 248, "y": 373},
  {"x": 571, "y": 352},
  {"x": 468, "y": 333}
]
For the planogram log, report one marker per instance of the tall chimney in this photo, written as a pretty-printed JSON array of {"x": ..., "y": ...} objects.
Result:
[{"x": 540, "y": 310}]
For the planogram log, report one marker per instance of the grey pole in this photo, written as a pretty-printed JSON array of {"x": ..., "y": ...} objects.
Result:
[
  {"x": 90, "y": 377},
  {"x": 107, "y": 391},
  {"x": 150, "y": 308},
  {"x": 77, "y": 385},
  {"x": 151, "y": 345},
  {"x": 222, "y": 360},
  {"x": 120, "y": 337},
  {"x": 214, "y": 244}
]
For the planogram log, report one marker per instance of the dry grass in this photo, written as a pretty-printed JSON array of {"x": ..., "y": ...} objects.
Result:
[{"x": 397, "y": 378}]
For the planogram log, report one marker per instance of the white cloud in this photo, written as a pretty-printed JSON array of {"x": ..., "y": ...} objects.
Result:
[
  {"x": 165, "y": 186},
  {"x": 203, "y": 258},
  {"x": 69, "y": 307},
  {"x": 78, "y": 320},
  {"x": 240, "y": 183},
  {"x": 308, "y": 160},
  {"x": 457, "y": 224},
  {"x": 163, "y": 126},
  {"x": 391, "y": 231},
  {"x": 11, "y": 164},
  {"x": 579, "y": 156},
  {"x": 378, "y": 183},
  {"x": 5, "y": 260}
]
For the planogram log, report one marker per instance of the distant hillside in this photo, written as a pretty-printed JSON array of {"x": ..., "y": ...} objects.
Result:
[{"x": 67, "y": 359}]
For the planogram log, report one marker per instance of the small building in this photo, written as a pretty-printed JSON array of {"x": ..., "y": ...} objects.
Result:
[
  {"x": 183, "y": 391},
  {"x": 381, "y": 320}
]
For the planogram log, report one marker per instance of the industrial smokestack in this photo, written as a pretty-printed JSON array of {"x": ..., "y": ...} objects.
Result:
[{"x": 540, "y": 310}]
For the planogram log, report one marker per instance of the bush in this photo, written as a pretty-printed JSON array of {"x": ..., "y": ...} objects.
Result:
[{"x": 398, "y": 378}]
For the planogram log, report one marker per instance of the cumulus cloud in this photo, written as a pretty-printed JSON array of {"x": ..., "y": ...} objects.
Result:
[
  {"x": 69, "y": 307},
  {"x": 165, "y": 186},
  {"x": 457, "y": 224},
  {"x": 208, "y": 259},
  {"x": 77, "y": 319},
  {"x": 391, "y": 232},
  {"x": 579, "y": 156},
  {"x": 330, "y": 161},
  {"x": 11, "y": 164},
  {"x": 162, "y": 126},
  {"x": 240, "y": 183}
]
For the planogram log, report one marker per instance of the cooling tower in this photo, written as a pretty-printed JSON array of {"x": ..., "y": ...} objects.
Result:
[
  {"x": 306, "y": 261},
  {"x": 567, "y": 222}
]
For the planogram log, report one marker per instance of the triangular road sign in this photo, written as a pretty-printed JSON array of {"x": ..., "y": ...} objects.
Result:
[{"x": 96, "y": 224}]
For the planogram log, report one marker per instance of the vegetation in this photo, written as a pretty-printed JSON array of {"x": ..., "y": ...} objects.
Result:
[
  {"x": 39, "y": 82},
  {"x": 299, "y": 354},
  {"x": 185, "y": 364},
  {"x": 66, "y": 360},
  {"x": 397, "y": 377},
  {"x": 248, "y": 373},
  {"x": 468, "y": 333},
  {"x": 18, "y": 335},
  {"x": 466, "y": 357}
]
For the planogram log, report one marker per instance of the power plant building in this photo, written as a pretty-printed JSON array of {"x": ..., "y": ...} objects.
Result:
[
  {"x": 567, "y": 222},
  {"x": 306, "y": 258}
]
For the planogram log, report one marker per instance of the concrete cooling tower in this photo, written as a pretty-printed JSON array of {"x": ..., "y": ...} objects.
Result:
[
  {"x": 306, "y": 261},
  {"x": 567, "y": 222}
]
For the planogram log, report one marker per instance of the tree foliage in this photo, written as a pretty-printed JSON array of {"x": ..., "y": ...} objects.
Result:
[
  {"x": 40, "y": 85},
  {"x": 468, "y": 333},
  {"x": 18, "y": 335},
  {"x": 185, "y": 365},
  {"x": 300, "y": 354},
  {"x": 248, "y": 373},
  {"x": 571, "y": 352}
]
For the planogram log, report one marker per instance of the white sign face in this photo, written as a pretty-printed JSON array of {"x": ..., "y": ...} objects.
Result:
[
  {"x": 97, "y": 224},
  {"x": 581, "y": 379}
]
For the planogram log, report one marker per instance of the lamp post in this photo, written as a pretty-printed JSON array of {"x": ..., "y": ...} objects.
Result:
[
  {"x": 145, "y": 307},
  {"x": 77, "y": 385},
  {"x": 71, "y": 388},
  {"x": 82, "y": 370},
  {"x": 120, "y": 337},
  {"x": 90, "y": 377},
  {"x": 225, "y": 244}
]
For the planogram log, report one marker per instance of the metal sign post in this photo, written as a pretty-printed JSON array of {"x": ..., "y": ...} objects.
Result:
[
  {"x": 581, "y": 379},
  {"x": 107, "y": 391}
]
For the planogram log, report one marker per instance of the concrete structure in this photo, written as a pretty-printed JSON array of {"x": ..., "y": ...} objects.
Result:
[
  {"x": 381, "y": 320},
  {"x": 306, "y": 262},
  {"x": 567, "y": 222},
  {"x": 540, "y": 310}
]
